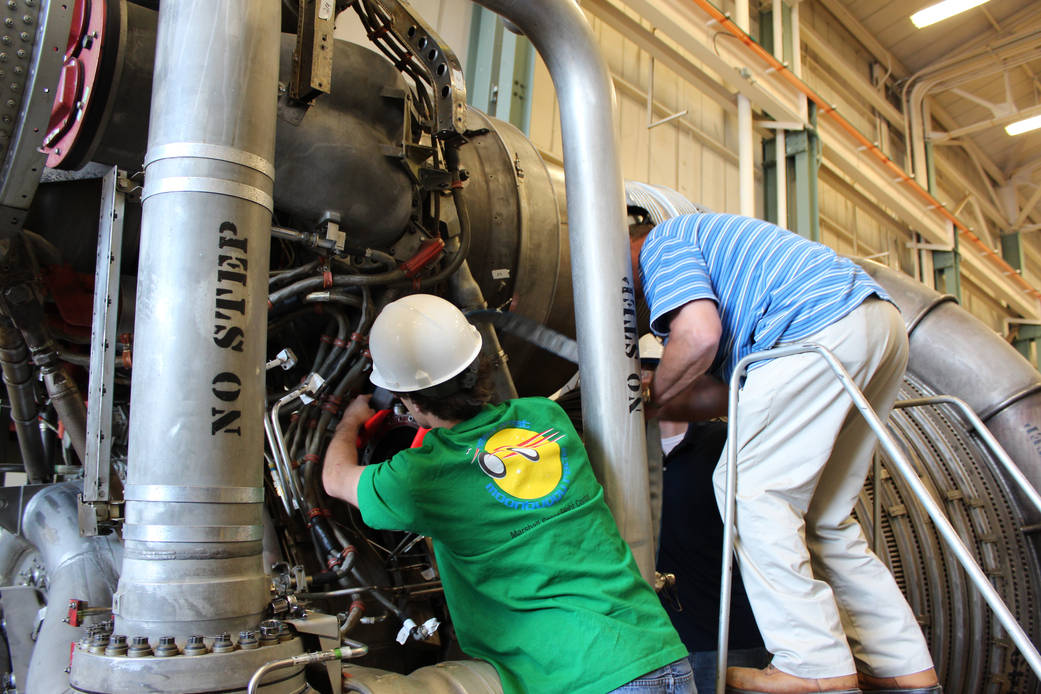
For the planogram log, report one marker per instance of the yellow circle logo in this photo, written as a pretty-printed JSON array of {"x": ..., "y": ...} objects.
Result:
[{"x": 522, "y": 463}]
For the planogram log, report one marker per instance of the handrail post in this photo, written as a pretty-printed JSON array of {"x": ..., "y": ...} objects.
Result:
[{"x": 902, "y": 465}]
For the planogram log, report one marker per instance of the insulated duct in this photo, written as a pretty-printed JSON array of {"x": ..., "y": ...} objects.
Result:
[{"x": 78, "y": 568}]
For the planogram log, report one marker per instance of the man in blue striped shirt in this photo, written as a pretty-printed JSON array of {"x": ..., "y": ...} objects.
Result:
[{"x": 720, "y": 287}]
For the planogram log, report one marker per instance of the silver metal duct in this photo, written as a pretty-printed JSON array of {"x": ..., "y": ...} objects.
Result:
[
  {"x": 605, "y": 305},
  {"x": 954, "y": 353},
  {"x": 194, "y": 484},
  {"x": 78, "y": 568}
]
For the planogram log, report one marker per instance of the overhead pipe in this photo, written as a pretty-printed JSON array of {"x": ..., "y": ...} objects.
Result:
[
  {"x": 194, "y": 493},
  {"x": 605, "y": 304},
  {"x": 1017, "y": 50},
  {"x": 900, "y": 177},
  {"x": 745, "y": 156}
]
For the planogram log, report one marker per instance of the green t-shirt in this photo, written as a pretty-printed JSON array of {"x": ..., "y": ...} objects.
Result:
[{"x": 538, "y": 581}]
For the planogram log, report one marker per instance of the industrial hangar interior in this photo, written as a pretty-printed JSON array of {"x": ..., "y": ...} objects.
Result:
[{"x": 204, "y": 205}]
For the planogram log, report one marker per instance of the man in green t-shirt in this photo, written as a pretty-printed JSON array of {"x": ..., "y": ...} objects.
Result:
[{"x": 538, "y": 581}]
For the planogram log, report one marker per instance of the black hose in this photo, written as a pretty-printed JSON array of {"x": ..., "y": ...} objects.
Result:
[
  {"x": 26, "y": 312},
  {"x": 284, "y": 277},
  {"x": 312, "y": 283},
  {"x": 18, "y": 376}
]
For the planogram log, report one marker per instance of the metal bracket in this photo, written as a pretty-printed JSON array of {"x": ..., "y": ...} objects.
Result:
[
  {"x": 313, "y": 57},
  {"x": 97, "y": 470},
  {"x": 446, "y": 75}
]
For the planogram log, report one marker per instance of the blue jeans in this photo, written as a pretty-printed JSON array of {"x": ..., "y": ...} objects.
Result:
[
  {"x": 674, "y": 678},
  {"x": 704, "y": 664}
]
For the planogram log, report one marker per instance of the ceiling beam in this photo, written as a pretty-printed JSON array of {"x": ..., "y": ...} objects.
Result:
[{"x": 649, "y": 41}]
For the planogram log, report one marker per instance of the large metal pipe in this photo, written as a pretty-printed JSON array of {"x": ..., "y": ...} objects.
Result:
[
  {"x": 194, "y": 489},
  {"x": 954, "y": 353},
  {"x": 605, "y": 304}
]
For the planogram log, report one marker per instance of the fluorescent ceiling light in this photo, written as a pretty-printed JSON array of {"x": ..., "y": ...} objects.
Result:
[
  {"x": 942, "y": 10},
  {"x": 1022, "y": 126}
]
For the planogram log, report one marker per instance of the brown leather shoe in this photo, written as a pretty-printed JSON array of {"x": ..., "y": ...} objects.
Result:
[
  {"x": 770, "y": 680},
  {"x": 924, "y": 682}
]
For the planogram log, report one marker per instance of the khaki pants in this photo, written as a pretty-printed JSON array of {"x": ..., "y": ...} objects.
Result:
[{"x": 824, "y": 603}]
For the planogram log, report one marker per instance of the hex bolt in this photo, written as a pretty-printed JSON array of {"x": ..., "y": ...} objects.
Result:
[
  {"x": 269, "y": 632},
  {"x": 284, "y": 634},
  {"x": 248, "y": 640},
  {"x": 12, "y": 4},
  {"x": 196, "y": 646},
  {"x": 139, "y": 647},
  {"x": 223, "y": 644},
  {"x": 167, "y": 647},
  {"x": 98, "y": 643},
  {"x": 117, "y": 645}
]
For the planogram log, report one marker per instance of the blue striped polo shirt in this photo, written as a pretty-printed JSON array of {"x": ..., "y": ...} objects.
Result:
[{"x": 769, "y": 285}]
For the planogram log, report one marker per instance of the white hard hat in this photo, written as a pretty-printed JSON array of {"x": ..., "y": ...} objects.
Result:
[{"x": 420, "y": 341}]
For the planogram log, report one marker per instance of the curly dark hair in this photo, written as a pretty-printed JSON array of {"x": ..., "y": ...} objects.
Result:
[{"x": 464, "y": 402}]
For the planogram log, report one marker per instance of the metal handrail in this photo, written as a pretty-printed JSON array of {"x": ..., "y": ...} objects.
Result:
[
  {"x": 991, "y": 441},
  {"x": 900, "y": 463}
]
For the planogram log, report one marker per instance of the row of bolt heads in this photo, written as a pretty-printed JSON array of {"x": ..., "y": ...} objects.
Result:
[{"x": 271, "y": 632}]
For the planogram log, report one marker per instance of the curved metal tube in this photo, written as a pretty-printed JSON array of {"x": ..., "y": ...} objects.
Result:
[
  {"x": 957, "y": 354},
  {"x": 600, "y": 266},
  {"x": 78, "y": 568},
  {"x": 986, "y": 60},
  {"x": 354, "y": 650}
]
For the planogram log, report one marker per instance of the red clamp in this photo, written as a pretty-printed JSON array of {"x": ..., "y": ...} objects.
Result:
[
  {"x": 327, "y": 278},
  {"x": 126, "y": 339},
  {"x": 73, "y": 612},
  {"x": 426, "y": 253},
  {"x": 315, "y": 513},
  {"x": 331, "y": 404},
  {"x": 370, "y": 425}
]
